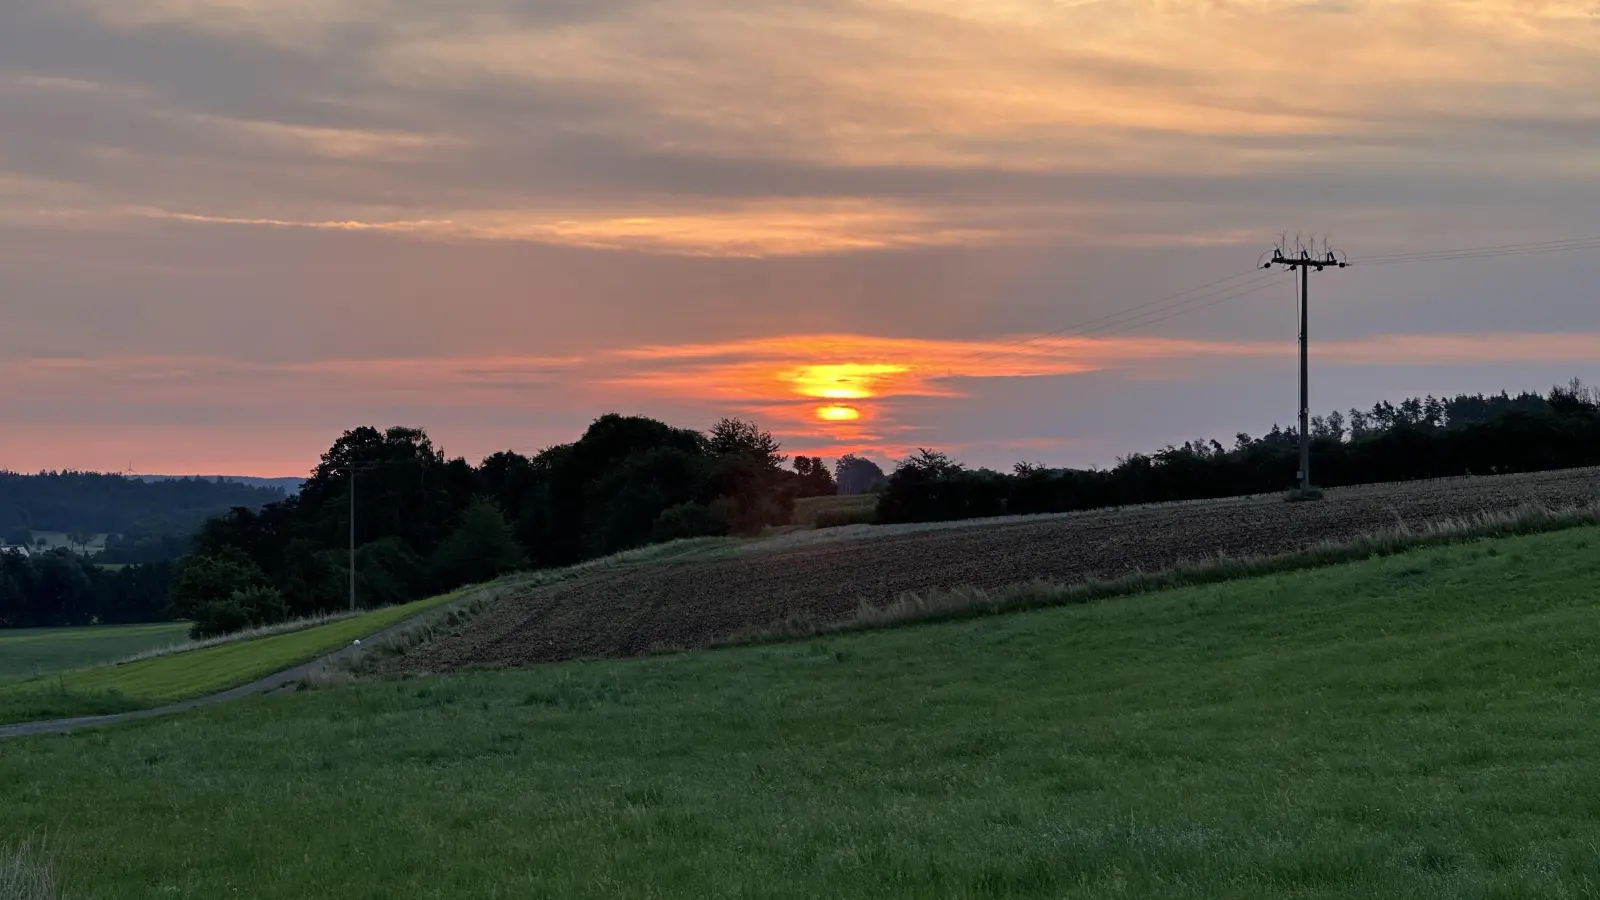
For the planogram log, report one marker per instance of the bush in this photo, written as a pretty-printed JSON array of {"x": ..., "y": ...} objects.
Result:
[
  {"x": 249, "y": 608},
  {"x": 388, "y": 573},
  {"x": 836, "y": 518},
  {"x": 686, "y": 520},
  {"x": 217, "y": 618}
]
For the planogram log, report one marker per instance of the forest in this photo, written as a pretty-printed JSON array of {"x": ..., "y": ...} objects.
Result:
[
  {"x": 151, "y": 520},
  {"x": 63, "y": 588}
]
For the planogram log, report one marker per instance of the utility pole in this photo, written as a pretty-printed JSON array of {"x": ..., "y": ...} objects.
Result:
[
  {"x": 1305, "y": 259},
  {"x": 352, "y": 537}
]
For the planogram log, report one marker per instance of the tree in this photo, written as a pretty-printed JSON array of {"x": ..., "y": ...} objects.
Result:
[
  {"x": 733, "y": 437},
  {"x": 1336, "y": 428},
  {"x": 814, "y": 478},
  {"x": 201, "y": 580},
  {"x": 931, "y": 464},
  {"x": 80, "y": 539},
  {"x": 479, "y": 548},
  {"x": 857, "y": 475}
]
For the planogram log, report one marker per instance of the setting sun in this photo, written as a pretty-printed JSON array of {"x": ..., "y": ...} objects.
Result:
[
  {"x": 842, "y": 381},
  {"x": 838, "y": 413}
]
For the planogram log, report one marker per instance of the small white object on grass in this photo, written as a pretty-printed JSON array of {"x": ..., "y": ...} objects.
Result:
[{"x": 356, "y": 642}]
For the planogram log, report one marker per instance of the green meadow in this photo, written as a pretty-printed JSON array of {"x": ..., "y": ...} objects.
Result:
[
  {"x": 1425, "y": 724},
  {"x": 38, "y": 651},
  {"x": 170, "y": 677}
]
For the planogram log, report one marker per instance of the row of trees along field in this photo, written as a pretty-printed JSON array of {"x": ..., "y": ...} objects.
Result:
[
  {"x": 1420, "y": 438},
  {"x": 427, "y": 523},
  {"x": 63, "y": 588}
]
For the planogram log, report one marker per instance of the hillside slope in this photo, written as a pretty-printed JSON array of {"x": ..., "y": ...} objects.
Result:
[
  {"x": 697, "y": 603},
  {"x": 1423, "y": 725}
]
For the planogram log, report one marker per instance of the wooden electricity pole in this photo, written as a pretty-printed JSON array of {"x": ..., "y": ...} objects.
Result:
[{"x": 1304, "y": 259}]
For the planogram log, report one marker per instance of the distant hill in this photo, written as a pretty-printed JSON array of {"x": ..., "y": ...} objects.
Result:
[
  {"x": 287, "y": 485},
  {"x": 95, "y": 503}
]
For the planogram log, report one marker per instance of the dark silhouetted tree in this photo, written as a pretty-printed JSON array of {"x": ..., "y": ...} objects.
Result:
[{"x": 480, "y": 547}]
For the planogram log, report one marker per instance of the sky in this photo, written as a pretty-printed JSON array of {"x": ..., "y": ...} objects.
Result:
[{"x": 232, "y": 229}]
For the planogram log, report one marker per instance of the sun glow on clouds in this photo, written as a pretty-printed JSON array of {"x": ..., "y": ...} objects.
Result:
[{"x": 863, "y": 381}]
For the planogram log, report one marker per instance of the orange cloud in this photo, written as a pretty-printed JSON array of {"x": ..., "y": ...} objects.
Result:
[{"x": 822, "y": 394}]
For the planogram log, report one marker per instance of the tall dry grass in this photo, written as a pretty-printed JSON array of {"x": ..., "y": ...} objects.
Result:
[
  {"x": 366, "y": 658},
  {"x": 27, "y": 872}
]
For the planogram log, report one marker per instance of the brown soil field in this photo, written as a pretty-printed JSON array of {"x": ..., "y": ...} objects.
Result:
[{"x": 696, "y": 603}]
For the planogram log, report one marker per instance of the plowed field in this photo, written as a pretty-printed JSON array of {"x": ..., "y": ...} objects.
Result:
[{"x": 695, "y": 603}]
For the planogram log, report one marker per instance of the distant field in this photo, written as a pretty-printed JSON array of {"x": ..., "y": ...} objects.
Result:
[
  {"x": 844, "y": 509},
  {"x": 1424, "y": 725},
  {"x": 37, "y": 651},
  {"x": 192, "y": 673},
  {"x": 58, "y": 539}
]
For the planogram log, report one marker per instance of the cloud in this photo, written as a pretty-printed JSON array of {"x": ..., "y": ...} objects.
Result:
[
  {"x": 501, "y": 216},
  {"x": 703, "y": 127}
]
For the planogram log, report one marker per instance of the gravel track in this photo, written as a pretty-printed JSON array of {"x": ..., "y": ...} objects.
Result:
[{"x": 689, "y": 604}]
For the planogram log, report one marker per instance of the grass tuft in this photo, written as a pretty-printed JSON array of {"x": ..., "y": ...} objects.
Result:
[{"x": 27, "y": 872}]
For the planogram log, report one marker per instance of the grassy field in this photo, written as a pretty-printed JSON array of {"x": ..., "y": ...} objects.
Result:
[
  {"x": 1426, "y": 724},
  {"x": 162, "y": 679},
  {"x": 36, "y": 651},
  {"x": 830, "y": 512}
]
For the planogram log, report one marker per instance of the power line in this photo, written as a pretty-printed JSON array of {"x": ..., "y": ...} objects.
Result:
[
  {"x": 1195, "y": 295},
  {"x": 1183, "y": 312},
  {"x": 1530, "y": 248}
]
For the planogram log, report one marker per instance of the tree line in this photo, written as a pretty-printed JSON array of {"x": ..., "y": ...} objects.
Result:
[
  {"x": 152, "y": 519},
  {"x": 425, "y": 523},
  {"x": 60, "y": 588},
  {"x": 1419, "y": 438}
]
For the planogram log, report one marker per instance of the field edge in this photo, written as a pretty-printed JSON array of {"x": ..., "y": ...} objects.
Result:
[{"x": 966, "y": 602}]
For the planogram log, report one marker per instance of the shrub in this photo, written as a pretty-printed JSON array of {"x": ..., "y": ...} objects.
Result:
[
  {"x": 855, "y": 515},
  {"x": 249, "y": 608},
  {"x": 264, "y": 605},
  {"x": 218, "y": 617},
  {"x": 686, "y": 520}
]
